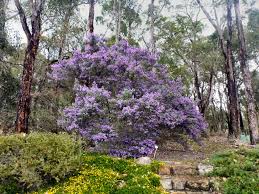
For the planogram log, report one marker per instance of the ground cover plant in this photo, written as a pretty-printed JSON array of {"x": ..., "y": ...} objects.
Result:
[
  {"x": 125, "y": 99},
  {"x": 104, "y": 174},
  {"x": 241, "y": 170}
]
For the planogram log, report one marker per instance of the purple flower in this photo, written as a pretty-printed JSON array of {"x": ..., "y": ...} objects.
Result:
[{"x": 124, "y": 98}]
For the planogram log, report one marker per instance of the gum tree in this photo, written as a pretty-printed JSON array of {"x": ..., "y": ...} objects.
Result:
[{"x": 33, "y": 38}]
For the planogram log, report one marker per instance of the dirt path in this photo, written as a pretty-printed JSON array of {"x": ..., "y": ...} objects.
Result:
[{"x": 171, "y": 151}]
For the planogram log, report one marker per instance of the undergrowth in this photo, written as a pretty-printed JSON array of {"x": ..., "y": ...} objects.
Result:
[
  {"x": 104, "y": 174},
  {"x": 240, "y": 169}
]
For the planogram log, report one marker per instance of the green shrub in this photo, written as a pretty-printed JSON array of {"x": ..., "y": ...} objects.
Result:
[
  {"x": 27, "y": 163},
  {"x": 103, "y": 174},
  {"x": 241, "y": 168}
]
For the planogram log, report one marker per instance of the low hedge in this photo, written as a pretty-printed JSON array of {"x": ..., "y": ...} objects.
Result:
[{"x": 38, "y": 159}]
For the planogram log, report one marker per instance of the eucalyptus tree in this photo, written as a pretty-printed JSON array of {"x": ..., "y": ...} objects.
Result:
[
  {"x": 247, "y": 79},
  {"x": 152, "y": 23},
  {"x": 125, "y": 15},
  {"x": 3, "y": 6},
  {"x": 252, "y": 33},
  {"x": 226, "y": 49},
  {"x": 190, "y": 55},
  {"x": 63, "y": 30},
  {"x": 33, "y": 34}
]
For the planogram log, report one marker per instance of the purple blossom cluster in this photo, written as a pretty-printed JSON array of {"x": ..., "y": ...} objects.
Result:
[{"x": 125, "y": 99}]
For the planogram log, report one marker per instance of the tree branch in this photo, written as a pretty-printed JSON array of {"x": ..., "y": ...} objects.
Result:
[
  {"x": 217, "y": 28},
  {"x": 23, "y": 19}
]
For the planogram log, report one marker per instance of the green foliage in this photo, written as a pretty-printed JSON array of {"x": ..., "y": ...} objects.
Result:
[
  {"x": 8, "y": 94},
  {"x": 27, "y": 163},
  {"x": 253, "y": 33},
  {"x": 241, "y": 168},
  {"x": 103, "y": 174},
  {"x": 130, "y": 16},
  {"x": 40, "y": 160}
]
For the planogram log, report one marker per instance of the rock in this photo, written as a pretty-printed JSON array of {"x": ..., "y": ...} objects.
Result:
[
  {"x": 190, "y": 192},
  {"x": 199, "y": 184},
  {"x": 183, "y": 170},
  {"x": 164, "y": 170},
  {"x": 204, "y": 169},
  {"x": 178, "y": 184},
  {"x": 202, "y": 192},
  {"x": 143, "y": 160},
  {"x": 166, "y": 183},
  {"x": 177, "y": 192},
  {"x": 121, "y": 184}
]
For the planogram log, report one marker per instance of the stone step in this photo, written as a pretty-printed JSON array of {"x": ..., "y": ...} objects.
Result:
[
  {"x": 166, "y": 182},
  {"x": 184, "y": 170},
  {"x": 178, "y": 169},
  {"x": 186, "y": 183},
  {"x": 192, "y": 192}
]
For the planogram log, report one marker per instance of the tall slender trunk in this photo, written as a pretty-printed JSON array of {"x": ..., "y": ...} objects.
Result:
[
  {"x": 90, "y": 42},
  {"x": 129, "y": 35},
  {"x": 64, "y": 31},
  {"x": 221, "y": 110},
  {"x": 91, "y": 18},
  {"x": 251, "y": 110},
  {"x": 197, "y": 85},
  {"x": 117, "y": 11},
  {"x": 152, "y": 26},
  {"x": 2, "y": 27},
  {"x": 230, "y": 70},
  {"x": 33, "y": 38},
  {"x": 203, "y": 99},
  {"x": 233, "y": 119}
]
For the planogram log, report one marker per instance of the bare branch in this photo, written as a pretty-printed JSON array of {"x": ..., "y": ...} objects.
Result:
[
  {"x": 217, "y": 28},
  {"x": 23, "y": 19}
]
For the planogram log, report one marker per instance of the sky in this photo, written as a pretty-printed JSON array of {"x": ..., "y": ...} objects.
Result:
[{"x": 15, "y": 28}]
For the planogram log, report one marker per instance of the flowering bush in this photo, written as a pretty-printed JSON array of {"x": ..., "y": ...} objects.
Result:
[{"x": 125, "y": 98}]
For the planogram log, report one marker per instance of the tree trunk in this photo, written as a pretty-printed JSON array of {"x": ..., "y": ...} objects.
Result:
[
  {"x": 233, "y": 121},
  {"x": 91, "y": 17},
  {"x": 152, "y": 27},
  {"x": 230, "y": 71},
  {"x": 25, "y": 91},
  {"x": 64, "y": 33},
  {"x": 2, "y": 28},
  {"x": 251, "y": 111},
  {"x": 90, "y": 40},
  {"x": 33, "y": 37},
  {"x": 222, "y": 120},
  {"x": 117, "y": 12}
]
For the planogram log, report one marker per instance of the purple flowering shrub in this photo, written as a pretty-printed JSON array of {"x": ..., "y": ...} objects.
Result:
[{"x": 125, "y": 99}]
